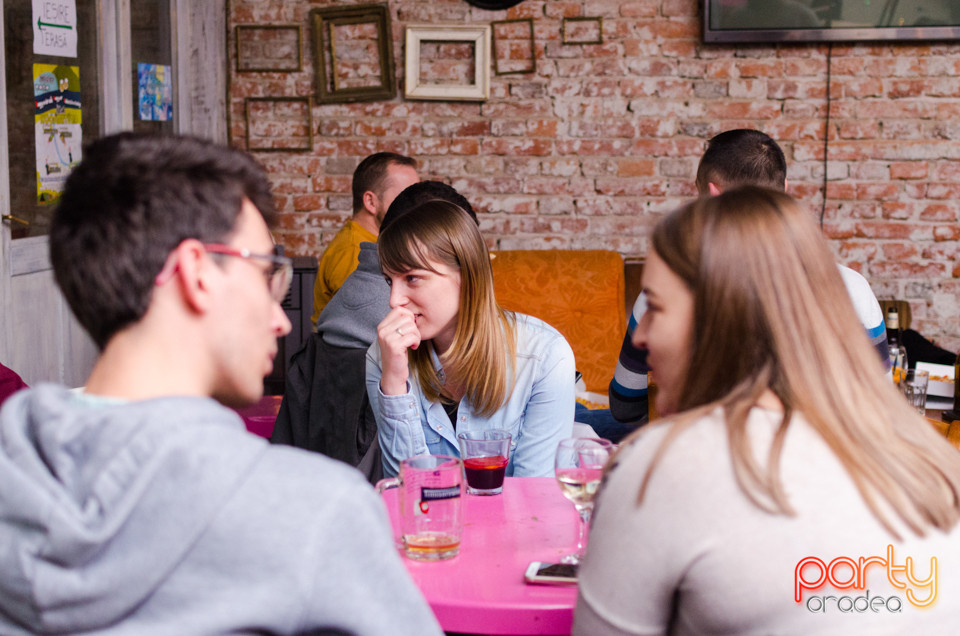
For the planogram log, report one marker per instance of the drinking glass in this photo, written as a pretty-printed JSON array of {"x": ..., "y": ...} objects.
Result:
[
  {"x": 485, "y": 456},
  {"x": 579, "y": 467},
  {"x": 914, "y": 388},
  {"x": 431, "y": 519}
]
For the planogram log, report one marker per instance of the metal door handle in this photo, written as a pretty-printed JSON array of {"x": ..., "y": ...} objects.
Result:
[{"x": 15, "y": 219}]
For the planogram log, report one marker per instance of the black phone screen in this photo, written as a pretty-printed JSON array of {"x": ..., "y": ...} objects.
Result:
[{"x": 562, "y": 570}]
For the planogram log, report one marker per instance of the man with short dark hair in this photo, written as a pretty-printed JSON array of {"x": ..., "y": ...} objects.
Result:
[
  {"x": 741, "y": 157},
  {"x": 732, "y": 158},
  {"x": 377, "y": 180},
  {"x": 141, "y": 505}
]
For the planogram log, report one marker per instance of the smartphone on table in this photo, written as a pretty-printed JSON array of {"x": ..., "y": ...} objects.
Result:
[{"x": 551, "y": 573}]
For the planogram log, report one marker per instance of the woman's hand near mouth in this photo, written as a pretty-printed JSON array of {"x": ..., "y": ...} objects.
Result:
[{"x": 396, "y": 333}]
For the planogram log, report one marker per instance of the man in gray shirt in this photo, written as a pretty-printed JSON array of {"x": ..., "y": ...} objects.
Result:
[{"x": 140, "y": 505}]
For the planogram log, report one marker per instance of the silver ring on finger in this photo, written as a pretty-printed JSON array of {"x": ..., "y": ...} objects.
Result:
[{"x": 400, "y": 330}]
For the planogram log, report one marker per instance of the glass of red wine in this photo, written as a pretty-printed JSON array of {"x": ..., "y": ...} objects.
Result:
[
  {"x": 579, "y": 468},
  {"x": 485, "y": 456}
]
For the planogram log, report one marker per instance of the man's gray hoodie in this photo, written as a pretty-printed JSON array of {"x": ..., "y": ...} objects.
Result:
[{"x": 165, "y": 517}]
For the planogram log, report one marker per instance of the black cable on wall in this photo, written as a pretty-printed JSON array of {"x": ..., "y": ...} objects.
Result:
[{"x": 826, "y": 138}]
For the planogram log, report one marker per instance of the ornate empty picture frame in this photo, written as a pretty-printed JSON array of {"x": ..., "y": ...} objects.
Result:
[
  {"x": 268, "y": 48},
  {"x": 503, "y": 62},
  {"x": 446, "y": 43},
  {"x": 582, "y": 30},
  {"x": 348, "y": 43},
  {"x": 282, "y": 124}
]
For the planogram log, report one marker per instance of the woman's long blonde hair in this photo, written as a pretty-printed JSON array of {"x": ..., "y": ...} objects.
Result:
[
  {"x": 483, "y": 353},
  {"x": 771, "y": 312}
]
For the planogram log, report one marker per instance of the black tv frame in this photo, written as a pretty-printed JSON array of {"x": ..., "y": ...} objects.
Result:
[{"x": 825, "y": 34}]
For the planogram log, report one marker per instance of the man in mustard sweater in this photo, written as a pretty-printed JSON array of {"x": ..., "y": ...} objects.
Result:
[{"x": 376, "y": 182}]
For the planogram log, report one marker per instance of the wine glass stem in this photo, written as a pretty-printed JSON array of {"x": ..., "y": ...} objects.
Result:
[{"x": 584, "y": 512}]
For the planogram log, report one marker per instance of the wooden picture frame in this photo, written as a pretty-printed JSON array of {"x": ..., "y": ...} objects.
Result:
[
  {"x": 570, "y": 39},
  {"x": 478, "y": 36},
  {"x": 309, "y": 123},
  {"x": 243, "y": 31},
  {"x": 323, "y": 24},
  {"x": 532, "y": 68}
]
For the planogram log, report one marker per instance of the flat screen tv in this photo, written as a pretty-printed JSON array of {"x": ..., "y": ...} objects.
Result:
[{"x": 830, "y": 20}]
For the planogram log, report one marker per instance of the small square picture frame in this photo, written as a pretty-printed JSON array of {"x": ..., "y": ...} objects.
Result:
[
  {"x": 568, "y": 38},
  {"x": 244, "y": 31},
  {"x": 532, "y": 67},
  {"x": 323, "y": 23},
  {"x": 308, "y": 103},
  {"x": 478, "y": 35}
]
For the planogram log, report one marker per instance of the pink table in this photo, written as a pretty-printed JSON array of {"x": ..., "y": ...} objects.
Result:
[
  {"x": 259, "y": 418},
  {"x": 481, "y": 590}
]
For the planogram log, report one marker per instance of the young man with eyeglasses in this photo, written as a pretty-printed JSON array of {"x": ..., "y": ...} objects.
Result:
[{"x": 139, "y": 504}]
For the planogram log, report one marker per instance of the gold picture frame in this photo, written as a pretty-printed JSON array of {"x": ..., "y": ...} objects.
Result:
[
  {"x": 243, "y": 32},
  {"x": 532, "y": 68},
  {"x": 570, "y": 39},
  {"x": 478, "y": 36},
  {"x": 247, "y": 102},
  {"x": 323, "y": 23}
]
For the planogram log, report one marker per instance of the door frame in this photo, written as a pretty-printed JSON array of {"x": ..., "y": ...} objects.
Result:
[{"x": 199, "y": 58}]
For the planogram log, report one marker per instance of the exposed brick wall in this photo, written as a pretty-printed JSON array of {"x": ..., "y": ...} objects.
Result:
[{"x": 590, "y": 150}]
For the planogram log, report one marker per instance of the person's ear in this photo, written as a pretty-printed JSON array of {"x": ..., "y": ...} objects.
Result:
[
  {"x": 194, "y": 274},
  {"x": 786, "y": 184},
  {"x": 370, "y": 202},
  {"x": 714, "y": 189}
]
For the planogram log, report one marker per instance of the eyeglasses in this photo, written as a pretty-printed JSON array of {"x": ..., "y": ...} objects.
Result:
[{"x": 280, "y": 274}]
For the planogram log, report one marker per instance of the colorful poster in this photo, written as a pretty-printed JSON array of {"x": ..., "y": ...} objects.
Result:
[
  {"x": 55, "y": 27},
  {"x": 56, "y": 91},
  {"x": 156, "y": 92}
]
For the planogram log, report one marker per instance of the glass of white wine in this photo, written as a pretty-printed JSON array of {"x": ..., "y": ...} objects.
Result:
[{"x": 579, "y": 467}]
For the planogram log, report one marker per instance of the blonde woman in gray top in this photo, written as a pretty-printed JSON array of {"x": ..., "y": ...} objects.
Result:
[{"x": 789, "y": 489}]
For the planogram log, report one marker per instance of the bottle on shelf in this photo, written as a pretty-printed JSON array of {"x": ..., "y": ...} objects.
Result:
[
  {"x": 898, "y": 353},
  {"x": 894, "y": 335}
]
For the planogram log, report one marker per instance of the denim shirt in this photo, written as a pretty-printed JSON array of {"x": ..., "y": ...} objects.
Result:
[{"x": 538, "y": 412}]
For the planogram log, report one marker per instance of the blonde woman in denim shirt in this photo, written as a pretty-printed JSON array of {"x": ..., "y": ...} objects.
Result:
[{"x": 448, "y": 358}]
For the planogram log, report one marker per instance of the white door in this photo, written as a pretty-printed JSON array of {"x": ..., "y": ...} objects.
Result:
[{"x": 38, "y": 336}]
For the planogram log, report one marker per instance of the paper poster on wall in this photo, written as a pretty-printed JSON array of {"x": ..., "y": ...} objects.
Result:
[
  {"x": 55, "y": 27},
  {"x": 56, "y": 91},
  {"x": 156, "y": 92}
]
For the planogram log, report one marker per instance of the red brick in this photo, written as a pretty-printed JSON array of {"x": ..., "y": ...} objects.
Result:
[
  {"x": 630, "y": 187},
  {"x": 899, "y": 251},
  {"x": 886, "y": 230},
  {"x": 641, "y": 9},
  {"x": 537, "y": 147},
  {"x": 942, "y": 191},
  {"x": 939, "y": 212},
  {"x": 636, "y": 168},
  {"x": 465, "y": 146},
  {"x": 309, "y": 202},
  {"x": 898, "y": 269},
  {"x": 909, "y": 170},
  {"x": 592, "y": 147},
  {"x": 339, "y": 183},
  {"x": 876, "y": 191}
]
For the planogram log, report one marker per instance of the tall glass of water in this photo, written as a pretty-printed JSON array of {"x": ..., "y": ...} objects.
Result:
[{"x": 579, "y": 468}]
